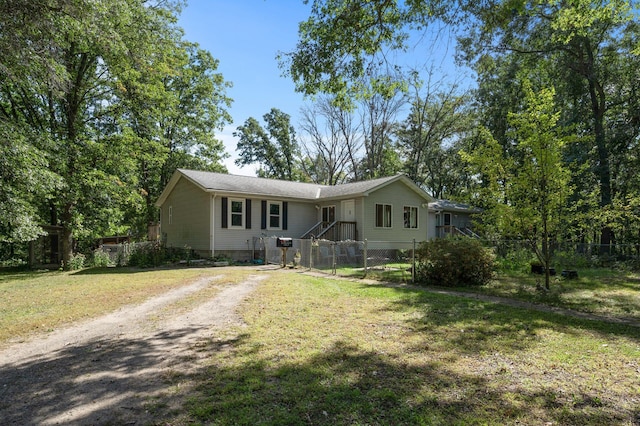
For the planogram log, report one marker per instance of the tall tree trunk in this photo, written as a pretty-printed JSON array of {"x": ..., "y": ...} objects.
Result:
[
  {"x": 597, "y": 96},
  {"x": 67, "y": 237}
]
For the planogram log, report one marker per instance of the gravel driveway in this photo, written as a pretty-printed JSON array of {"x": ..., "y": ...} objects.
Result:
[{"x": 110, "y": 370}]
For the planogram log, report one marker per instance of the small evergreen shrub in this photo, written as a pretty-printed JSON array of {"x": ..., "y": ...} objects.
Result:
[{"x": 454, "y": 262}]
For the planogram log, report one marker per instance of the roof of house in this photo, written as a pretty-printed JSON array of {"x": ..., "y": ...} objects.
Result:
[
  {"x": 452, "y": 206},
  {"x": 247, "y": 185}
]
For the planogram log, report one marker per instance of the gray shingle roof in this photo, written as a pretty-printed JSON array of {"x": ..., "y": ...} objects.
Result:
[
  {"x": 280, "y": 188},
  {"x": 452, "y": 206},
  {"x": 246, "y": 185},
  {"x": 251, "y": 185}
]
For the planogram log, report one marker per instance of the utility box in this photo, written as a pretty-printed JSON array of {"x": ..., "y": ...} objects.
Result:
[{"x": 284, "y": 242}]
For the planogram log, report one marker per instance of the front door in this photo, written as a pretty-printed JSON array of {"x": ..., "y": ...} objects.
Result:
[
  {"x": 348, "y": 225},
  {"x": 349, "y": 211}
]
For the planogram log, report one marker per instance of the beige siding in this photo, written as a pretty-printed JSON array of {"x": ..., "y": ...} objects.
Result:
[
  {"x": 397, "y": 195},
  {"x": 189, "y": 217},
  {"x": 301, "y": 216},
  {"x": 432, "y": 226}
]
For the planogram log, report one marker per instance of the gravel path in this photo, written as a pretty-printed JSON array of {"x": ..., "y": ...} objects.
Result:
[{"x": 110, "y": 369}]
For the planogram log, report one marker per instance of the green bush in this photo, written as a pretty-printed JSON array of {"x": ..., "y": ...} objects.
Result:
[
  {"x": 454, "y": 262},
  {"x": 100, "y": 259},
  {"x": 76, "y": 261},
  {"x": 147, "y": 255},
  {"x": 515, "y": 260}
]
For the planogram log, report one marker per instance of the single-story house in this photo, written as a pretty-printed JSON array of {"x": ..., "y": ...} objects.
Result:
[
  {"x": 222, "y": 214},
  {"x": 449, "y": 218}
]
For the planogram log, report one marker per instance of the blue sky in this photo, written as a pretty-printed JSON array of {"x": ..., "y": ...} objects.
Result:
[{"x": 246, "y": 35}]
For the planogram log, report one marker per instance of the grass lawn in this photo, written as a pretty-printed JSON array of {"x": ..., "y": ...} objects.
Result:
[
  {"x": 328, "y": 351},
  {"x": 325, "y": 351},
  {"x": 598, "y": 291},
  {"x": 40, "y": 301}
]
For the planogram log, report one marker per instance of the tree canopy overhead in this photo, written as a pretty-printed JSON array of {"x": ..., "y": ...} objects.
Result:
[
  {"x": 586, "y": 52},
  {"x": 99, "y": 99}
]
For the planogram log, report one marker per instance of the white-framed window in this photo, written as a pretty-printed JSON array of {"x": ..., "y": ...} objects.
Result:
[
  {"x": 383, "y": 216},
  {"x": 329, "y": 214},
  {"x": 274, "y": 214},
  {"x": 236, "y": 213},
  {"x": 170, "y": 215},
  {"x": 410, "y": 217}
]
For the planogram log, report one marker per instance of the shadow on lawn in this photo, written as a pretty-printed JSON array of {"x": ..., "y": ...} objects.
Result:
[
  {"x": 124, "y": 270},
  {"x": 502, "y": 319},
  {"x": 346, "y": 385},
  {"x": 113, "y": 381},
  {"x": 615, "y": 296}
]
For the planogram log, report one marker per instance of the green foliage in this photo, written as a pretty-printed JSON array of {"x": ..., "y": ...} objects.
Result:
[
  {"x": 528, "y": 185},
  {"x": 431, "y": 136},
  {"x": 25, "y": 181},
  {"x": 514, "y": 260},
  {"x": 454, "y": 262},
  {"x": 275, "y": 149},
  {"x": 338, "y": 47},
  {"x": 76, "y": 262},
  {"x": 100, "y": 259},
  {"x": 147, "y": 255}
]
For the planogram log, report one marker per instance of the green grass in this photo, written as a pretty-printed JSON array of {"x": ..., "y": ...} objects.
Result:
[
  {"x": 604, "y": 292},
  {"x": 393, "y": 272},
  {"x": 329, "y": 351},
  {"x": 323, "y": 351},
  {"x": 44, "y": 300}
]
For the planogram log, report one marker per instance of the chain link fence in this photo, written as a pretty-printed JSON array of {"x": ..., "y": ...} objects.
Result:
[
  {"x": 118, "y": 253},
  {"x": 571, "y": 253},
  {"x": 345, "y": 258}
]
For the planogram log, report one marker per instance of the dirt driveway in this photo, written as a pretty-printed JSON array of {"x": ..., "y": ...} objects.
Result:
[{"x": 114, "y": 369}]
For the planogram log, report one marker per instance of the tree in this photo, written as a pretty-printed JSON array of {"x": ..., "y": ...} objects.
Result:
[
  {"x": 339, "y": 45},
  {"x": 331, "y": 143},
  {"x": 378, "y": 113},
  {"x": 25, "y": 180},
  {"x": 586, "y": 48},
  {"x": 430, "y": 137},
  {"x": 274, "y": 149},
  {"x": 582, "y": 41},
  {"x": 111, "y": 77},
  {"x": 173, "y": 111},
  {"x": 531, "y": 187}
]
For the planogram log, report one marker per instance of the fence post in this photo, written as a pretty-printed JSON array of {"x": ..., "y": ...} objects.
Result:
[
  {"x": 311, "y": 242},
  {"x": 266, "y": 257},
  {"x": 413, "y": 263},
  {"x": 364, "y": 257},
  {"x": 333, "y": 257}
]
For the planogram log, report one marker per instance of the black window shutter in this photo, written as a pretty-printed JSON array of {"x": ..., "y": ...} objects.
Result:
[
  {"x": 263, "y": 216},
  {"x": 285, "y": 214},
  {"x": 247, "y": 219},
  {"x": 225, "y": 212}
]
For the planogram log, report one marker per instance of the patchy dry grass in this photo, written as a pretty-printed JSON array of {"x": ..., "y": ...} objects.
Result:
[
  {"x": 324, "y": 351},
  {"x": 327, "y": 351},
  {"x": 604, "y": 292},
  {"x": 44, "y": 300}
]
